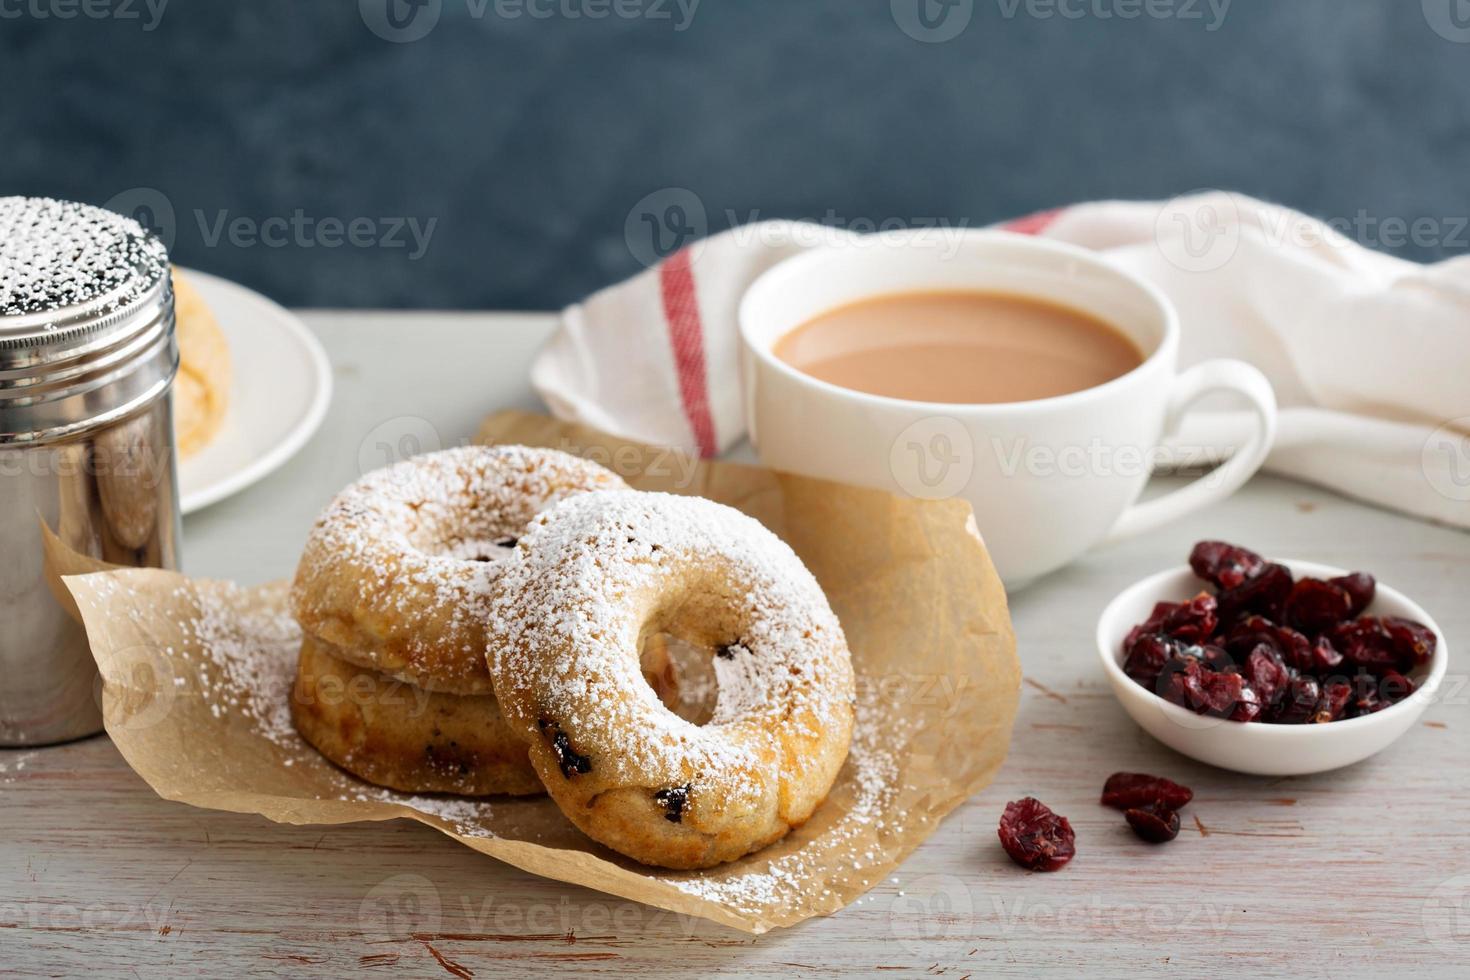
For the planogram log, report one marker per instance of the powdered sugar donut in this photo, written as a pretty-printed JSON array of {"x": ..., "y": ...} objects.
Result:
[
  {"x": 393, "y": 734},
  {"x": 398, "y": 570},
  {"x": 592, "y": 579}
]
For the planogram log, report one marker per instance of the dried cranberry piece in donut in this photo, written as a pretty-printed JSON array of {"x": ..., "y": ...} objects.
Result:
[
  {"x": 1263, "y": 595},
  {"x": 1299, "y": 703},
  {"x": 1225, "y": 566},
  {"x": 1360, "y": 587},
  {"x": 673, "y": 800},
  {"x": 567, "y": 758},
  {"x": 1035, "y": 837},
  {"x": 1193, "y": 621},
  {"x": 1315, "y": 606},
  {"x": 1267, "y": 673},
  {"x": 1335, "y": 698},
  {"x": 1365, "y": 643},
  {"x": 1413, "y": 641},
  {"x": 1127, "y": 790},
  {"x": 1155, "y": 824},
  {"x": 1253, "y": 631}
]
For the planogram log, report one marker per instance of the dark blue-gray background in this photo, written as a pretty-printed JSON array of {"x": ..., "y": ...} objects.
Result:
[{"x": 529, "y": 131}]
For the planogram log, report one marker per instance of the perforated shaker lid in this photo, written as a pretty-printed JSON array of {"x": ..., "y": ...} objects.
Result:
[{"x": 86, "y": 324}]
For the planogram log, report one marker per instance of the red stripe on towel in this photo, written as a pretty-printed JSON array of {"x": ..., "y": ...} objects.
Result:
[
  {"x": 1034, "y": 224},
  {"x": 686, "y": 335}
]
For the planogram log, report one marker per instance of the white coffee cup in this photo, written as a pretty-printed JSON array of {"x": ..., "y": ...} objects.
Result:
[{"x": 1048, "y": 479}]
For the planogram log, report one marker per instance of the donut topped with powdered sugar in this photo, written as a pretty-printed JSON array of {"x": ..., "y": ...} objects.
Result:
[
  {"x": 398, "y": 570},
  {"x": 590, "y": 581}
]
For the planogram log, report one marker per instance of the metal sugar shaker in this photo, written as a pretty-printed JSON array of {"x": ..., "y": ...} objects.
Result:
[{"x": 87, "y": 462}]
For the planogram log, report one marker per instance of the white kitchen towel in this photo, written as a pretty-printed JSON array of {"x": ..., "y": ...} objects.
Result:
[{"x": 1369, "y": 354}]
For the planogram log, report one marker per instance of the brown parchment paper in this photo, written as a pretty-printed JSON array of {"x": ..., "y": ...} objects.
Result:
[{"x": 196, "y": 674}]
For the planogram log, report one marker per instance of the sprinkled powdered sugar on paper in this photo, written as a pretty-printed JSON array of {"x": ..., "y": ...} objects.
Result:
[
  {"x": 253, "y": 648},
  {"x": 56, "y": 254},
  {"x": 872, "y": 770}
]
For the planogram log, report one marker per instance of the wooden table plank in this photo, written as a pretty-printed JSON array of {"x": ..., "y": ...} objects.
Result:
[{"x": 1364, "y": 872}]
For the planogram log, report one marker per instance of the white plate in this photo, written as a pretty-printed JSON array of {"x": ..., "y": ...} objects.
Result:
[{"x": 279, "y": 391}]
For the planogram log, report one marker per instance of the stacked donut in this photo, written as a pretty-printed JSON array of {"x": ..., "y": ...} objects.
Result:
[{"x": 479, "y": 621}]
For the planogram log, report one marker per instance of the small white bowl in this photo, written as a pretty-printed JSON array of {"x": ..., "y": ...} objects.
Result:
[{"x": 1256, "y": 748}]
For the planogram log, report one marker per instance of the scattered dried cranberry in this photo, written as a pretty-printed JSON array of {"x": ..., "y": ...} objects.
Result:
[
  {"x": 1155, "y": 824},
  {"x": 1132, "y": 790},
  {"x": 1224, "y": 565},
  {"x": 1035, "y": 837},
  {"x": 1360, "y": 587},
  {"x": 1314, "y": 606}
]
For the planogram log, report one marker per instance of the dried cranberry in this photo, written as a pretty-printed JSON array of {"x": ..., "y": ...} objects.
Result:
[
  {"x": 1225, "y": 566},
  {"x": 1266, "y": 673},
  {"x": 1248, "y": 705},
  {"x": 1314, "y": 606},
  {"x": 1181, "y": 682},
  {"x": 1035, "y": 837},
  {"x": 1413, "y": 641},
  {"x": 1155, "y": 824},
  {"x": 1299, "y": 704},
  {"x": 1323, "y": 658},
  {"x": 1146, "y": 657},
  {"x": 567, "y": 758},
  {"x": 674, "y": 800},
  {"x": 1393, "y": 687},
  {"x": 1216, "y": 693},
  {"x": 1263, "y": 595},
  {"x": 1193, "y": 621},
  {"x": 1360, "y": 587},
  {"x": 1366, "y": 644},
  {"x": 1129, "y": 790},
  {"x": 1253, "y": 631},
  {"x": 1213, "y": 657},
  {"x": 1335, "y": 698}
]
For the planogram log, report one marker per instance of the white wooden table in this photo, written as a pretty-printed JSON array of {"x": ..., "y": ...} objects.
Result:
[{"x": 1364, "y": 872}]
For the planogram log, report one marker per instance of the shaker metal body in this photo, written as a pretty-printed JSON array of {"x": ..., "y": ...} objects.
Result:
[{"x": 87, "y": 462}]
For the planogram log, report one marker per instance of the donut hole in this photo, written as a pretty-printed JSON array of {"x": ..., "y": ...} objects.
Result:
[
  {"x": 690, "y": 672},
  {"x": 470, "y": 543},
  {"x": 481, "y": 550}
]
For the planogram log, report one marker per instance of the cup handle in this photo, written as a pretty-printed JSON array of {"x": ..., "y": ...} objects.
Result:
[{"x": 1188, "y": 388}]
